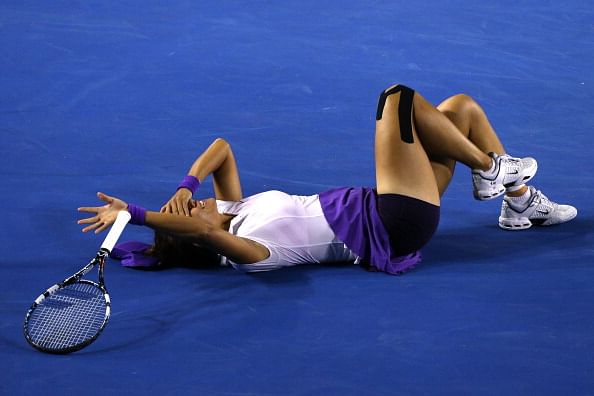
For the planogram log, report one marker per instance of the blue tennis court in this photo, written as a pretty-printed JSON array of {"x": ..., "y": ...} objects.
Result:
[{"x": 121, "y": 97}]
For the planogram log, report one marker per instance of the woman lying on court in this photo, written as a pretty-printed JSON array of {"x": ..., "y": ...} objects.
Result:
[{"x": 416, "y": 149}]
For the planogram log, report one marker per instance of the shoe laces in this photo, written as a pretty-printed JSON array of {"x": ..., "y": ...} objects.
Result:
[
  {"x": 542, "y": 199},
  {"x": 511, "y": 163}
]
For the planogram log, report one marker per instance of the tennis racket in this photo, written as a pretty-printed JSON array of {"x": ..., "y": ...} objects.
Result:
[{"x": 71, "y": 314}]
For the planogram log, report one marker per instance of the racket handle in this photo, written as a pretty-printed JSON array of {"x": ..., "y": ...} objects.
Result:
[{"x": 116, "y": 230}]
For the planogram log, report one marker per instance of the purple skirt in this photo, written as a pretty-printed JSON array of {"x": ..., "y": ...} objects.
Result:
[{"x": 353, "y": 215}]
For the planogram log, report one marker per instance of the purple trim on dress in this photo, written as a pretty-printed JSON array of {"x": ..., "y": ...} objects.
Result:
[{"x": 352, "y": 214}]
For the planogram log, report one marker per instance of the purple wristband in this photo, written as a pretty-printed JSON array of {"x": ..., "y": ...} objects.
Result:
[
  {"x": 191, "y": 183},
  {"x": 137, "y": 213}
]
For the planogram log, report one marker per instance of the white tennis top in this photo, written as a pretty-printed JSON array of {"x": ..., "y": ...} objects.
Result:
[{"x": 292, "y": 227}]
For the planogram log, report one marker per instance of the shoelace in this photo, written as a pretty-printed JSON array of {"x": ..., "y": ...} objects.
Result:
[
  {"x": 511, "y": 163},
  {"x": 544, "y": 200}
]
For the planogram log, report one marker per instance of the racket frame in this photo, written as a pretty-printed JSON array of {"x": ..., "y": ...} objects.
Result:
[
  {"x": 99, "y": 260},
  {"x": 113, "y": 235}
]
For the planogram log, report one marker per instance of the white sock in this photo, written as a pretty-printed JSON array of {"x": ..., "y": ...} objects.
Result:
[
  {"x": 522, "y": 200},
  {"x": 514, "y": 188}
]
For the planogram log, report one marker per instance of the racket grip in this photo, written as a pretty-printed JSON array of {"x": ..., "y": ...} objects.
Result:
[{"x": 116, "y": 230}]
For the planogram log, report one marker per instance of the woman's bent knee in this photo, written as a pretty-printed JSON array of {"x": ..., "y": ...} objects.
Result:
[
  {"x": 460, "y": 103},
  {"x": 404, "y": 107}
]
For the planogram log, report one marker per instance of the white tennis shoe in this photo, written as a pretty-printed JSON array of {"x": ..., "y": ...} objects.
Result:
[
  {"x": 539, "y": 210},
  {"x": 508, "y": 171}
]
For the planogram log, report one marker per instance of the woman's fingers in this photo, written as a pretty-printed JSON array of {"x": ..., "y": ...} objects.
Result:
[
  {"x": 183, "y": 197},
  {"x": 177, "y": 205},
  {"x": 104, "y": 215},
  {"x": 102, "y": 228},
  {"x": 92, "y": 226},
  {"x": 88, "y": 220},
  {"x": 105, "y": 198},
  {"x": 89, "y": 209},
  {"x": 184, "y": 206},
  {"x": 174, "y": 208}
]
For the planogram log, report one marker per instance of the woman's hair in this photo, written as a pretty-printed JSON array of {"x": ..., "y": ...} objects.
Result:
[{"x": 177, "y": 252}]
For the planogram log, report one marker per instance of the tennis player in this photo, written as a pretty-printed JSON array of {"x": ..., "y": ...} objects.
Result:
[{"x": 417, "y": 147}]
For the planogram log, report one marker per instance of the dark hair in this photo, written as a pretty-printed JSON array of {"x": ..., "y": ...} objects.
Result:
[{"x": 177, "y": 252}]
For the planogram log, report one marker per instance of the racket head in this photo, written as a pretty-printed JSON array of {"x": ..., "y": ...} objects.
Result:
[{"x": 67, "y": 317}]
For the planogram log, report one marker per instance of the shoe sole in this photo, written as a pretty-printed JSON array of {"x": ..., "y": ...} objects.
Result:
[
  {"x": 514, "y": 224},
  {"x": 483, "y": 195},
  {"x": 524, "y": 223}
]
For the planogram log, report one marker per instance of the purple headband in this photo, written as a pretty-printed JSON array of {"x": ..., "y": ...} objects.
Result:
[
  {"x": 191, "y": 183},
  {"x": 133, "y": 254}
]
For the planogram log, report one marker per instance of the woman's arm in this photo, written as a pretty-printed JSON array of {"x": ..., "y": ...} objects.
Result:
[
  {"x": 218, "y": 160},
  {"x": 237, "y": 249}
]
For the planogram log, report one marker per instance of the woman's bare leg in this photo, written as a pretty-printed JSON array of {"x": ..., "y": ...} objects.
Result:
[
  {"x": 401, "y": 168},
  {"x": 420, "y": 163},
  {"x": 404, "y": 167},
  {"x": 470, "y": 119}
]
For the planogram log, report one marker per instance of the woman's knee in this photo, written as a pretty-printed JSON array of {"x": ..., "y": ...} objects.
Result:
[
  {"x": 460, "y": 104},
  {"x": 398, "y": 100},
  {"x": 461, "y": 109},
  {"x": 395, "y": 96},
  {"x": 395, "y": 88}
]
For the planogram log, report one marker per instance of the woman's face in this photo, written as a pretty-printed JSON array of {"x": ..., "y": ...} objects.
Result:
[{"x": 205, "y": 209}]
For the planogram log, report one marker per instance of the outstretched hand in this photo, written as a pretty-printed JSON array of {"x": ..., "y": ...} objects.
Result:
[
  {"x": 104, "y": 215},
  {"x": 179, "y": 203}
]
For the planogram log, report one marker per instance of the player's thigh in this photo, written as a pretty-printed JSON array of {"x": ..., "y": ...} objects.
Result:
[
  {"x": 402, "y": 167},
  {"x": 443, "y": 169}
]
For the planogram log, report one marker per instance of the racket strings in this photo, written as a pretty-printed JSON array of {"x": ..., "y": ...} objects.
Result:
[{"x": 69, "y": 317}]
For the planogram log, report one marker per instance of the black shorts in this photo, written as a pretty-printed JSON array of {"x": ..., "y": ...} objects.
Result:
[{"x": 410, "y": 222}]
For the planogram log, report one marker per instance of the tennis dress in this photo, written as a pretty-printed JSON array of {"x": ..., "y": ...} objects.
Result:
[
  {"x": 340, "y": 225},
  {"x": 293, "y": 229}
]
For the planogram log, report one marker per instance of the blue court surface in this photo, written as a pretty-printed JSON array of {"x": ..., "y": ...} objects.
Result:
[{"x": 121, "y": 97}]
